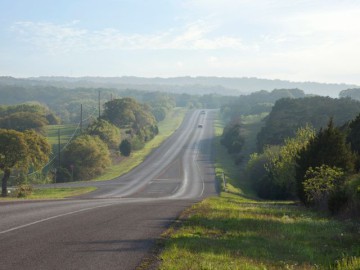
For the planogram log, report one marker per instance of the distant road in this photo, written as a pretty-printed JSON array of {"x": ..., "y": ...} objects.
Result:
[{"x": 115, "y": 226}]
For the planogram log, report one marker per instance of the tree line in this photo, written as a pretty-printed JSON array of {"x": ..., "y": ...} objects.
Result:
[
  {"x": 309, "y": 150},
  {"x": 24, "y": 148}
]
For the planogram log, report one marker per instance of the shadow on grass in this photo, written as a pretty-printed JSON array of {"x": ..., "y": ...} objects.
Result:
[{"x": 275, "y": 234}]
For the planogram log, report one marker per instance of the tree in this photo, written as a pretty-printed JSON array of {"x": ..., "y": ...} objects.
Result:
[
  {"x": 282, "y": 164},
  {"x": 354, "y": 134},
  {"x": 321, "y": 183},
  {"x": 288, "y": 115},
  {"x": 21, "y": 151},
  {"x": 107, "y": 132},
  {"x": 232, "y": 138},
  {"x": 22, "y": 121},
  {"x": 128, "y": 113},
  {"x": 87, "y": 156},
  {"x": 125, "y": 148},
  {"x": 328, "y": 147}
]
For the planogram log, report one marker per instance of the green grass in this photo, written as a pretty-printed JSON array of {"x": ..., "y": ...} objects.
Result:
[
  {"x": 166, "y": 128},
  {"x": 238, "y": 231},
  {"x": 66, "y": 132},
  {"x": 54, "y": 193}
]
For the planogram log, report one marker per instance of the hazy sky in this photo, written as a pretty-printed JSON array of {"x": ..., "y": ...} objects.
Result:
[{"x": 298, "y": 40}]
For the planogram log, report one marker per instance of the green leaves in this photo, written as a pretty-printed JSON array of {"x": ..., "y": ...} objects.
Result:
[
  {"x": 87, "y": 156},
  {"x": 13, "y": 149},
  {"x": 321, "y": 181},
  {"x": 21, "y": 150},
  {"x": 107, "y": 132}
]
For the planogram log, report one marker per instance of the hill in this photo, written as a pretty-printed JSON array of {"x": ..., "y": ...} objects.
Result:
[{"x": 191, "y": 85}]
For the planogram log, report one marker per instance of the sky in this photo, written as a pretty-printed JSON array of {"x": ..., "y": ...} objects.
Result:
[{"x": 298, "y": 40}]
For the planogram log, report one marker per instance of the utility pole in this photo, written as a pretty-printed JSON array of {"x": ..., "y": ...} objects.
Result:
[
  {"x": 59, "y": 148},
  {"x": 59, "y": 158},
  {"x": 81, "y": 118},
  {"x": 99, "y": 105}
]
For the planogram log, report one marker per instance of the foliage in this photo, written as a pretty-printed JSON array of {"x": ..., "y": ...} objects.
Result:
[
  {"x": 128, "y": 113},
  {"x": 257, "y": 102},
  {"x": 159, "y": 113},
  {"x": 328, "y": 147},
  {"x": 168, "y": 126},
  {"x": 353, "y": 93},
  {"x": 354, "y": 134},
  {"x": 320, "y": 182},
  {"x": 273, "y": 171},
  {"x": 86, "y": 156},
  {"x": 282, "y": 164},
  {"x": 288, "y": 115},
  {"x": 23, "y": 191},
  {"x": 21, "y": 151},
  {"x": 22, "y": 121},
  {"x": 352, "y": 191},
  {"x": 107, "y": 132},
  {"x": 262, "y": 179},
  {"x": 125, "y": 148},
  {"x": 232, "y": 138},
  {"x": 26, "y": 116}
]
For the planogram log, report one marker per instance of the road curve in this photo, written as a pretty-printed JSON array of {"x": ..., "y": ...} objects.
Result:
[{"x": 114, "y": 226}]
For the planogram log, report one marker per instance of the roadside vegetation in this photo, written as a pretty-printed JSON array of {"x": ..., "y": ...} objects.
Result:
[
  {"x": 241, "y": 230},
  {"x": 166, "y": 128},
  {"x": 94, "y": 138},
  {"x": 27, "y": 192}
]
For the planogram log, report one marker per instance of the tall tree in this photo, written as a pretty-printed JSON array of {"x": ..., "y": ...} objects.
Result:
[
  {"x": 328, "y": 147},
  {"x": 354, "y": 134},
  {"x": 21, "y": 151}
]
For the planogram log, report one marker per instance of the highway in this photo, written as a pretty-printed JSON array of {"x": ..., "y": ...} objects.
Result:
[{"x": 115, "y": 226}]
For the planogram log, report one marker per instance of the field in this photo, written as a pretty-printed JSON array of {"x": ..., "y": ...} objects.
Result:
[
  {"x": 66, "y": 131},
  {"x": 238, "y": 231}
]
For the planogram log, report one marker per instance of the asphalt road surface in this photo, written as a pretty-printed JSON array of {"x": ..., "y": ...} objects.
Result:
[{"x": 115, "y": 226}]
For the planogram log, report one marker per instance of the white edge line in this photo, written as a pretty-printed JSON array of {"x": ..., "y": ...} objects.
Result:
[{"x": 53, "y": 217}]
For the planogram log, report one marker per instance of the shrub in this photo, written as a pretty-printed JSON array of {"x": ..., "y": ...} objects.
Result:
[
  {"x": 23, "y": 191},
  {"x": 88, "y": 155},
  {"x": 125, "y": 147},
  {"x": 323, "y": 187}
]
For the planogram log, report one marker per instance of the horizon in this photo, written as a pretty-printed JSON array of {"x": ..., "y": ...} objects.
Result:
[{"x": 176, "y": 77}]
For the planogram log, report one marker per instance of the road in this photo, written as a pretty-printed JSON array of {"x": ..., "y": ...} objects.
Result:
[{"x": 115, "y": 226}]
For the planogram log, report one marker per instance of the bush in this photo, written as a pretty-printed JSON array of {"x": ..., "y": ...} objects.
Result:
[
  {"x": 23, "y": 191},
  {"x": 352, "y": 188},
  {"x": 125, "y": 148},
  {"x": 323, "y": 187},
  {"x": 107, "y": 132},
  {"x": 88, "y": 156}
]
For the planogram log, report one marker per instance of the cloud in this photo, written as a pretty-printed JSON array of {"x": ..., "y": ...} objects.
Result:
[{"x": 69, "y": 37}]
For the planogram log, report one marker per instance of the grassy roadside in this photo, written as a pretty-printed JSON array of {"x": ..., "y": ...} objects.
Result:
[
  {"x": 53, "y": 193},
  {"x": 166, "y": 128},
  {"x": 238, "y": 231}
]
